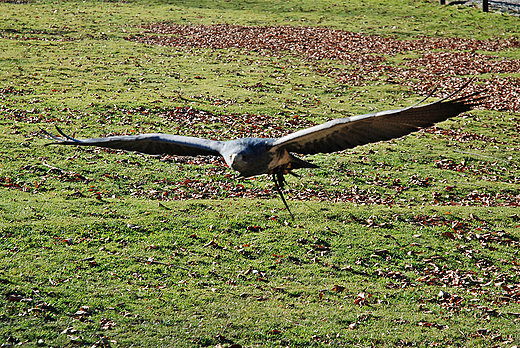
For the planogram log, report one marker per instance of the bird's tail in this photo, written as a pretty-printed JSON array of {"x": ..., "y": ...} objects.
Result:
[{"x": 297, "y": 163}]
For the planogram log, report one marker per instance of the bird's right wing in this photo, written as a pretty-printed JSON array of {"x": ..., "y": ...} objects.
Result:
[{"x": 153, "y": 144}]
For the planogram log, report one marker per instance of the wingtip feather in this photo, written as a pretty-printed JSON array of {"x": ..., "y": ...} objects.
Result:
[
  {"x": 57, "y": 140},
  {"x": 65, "y": 135}
]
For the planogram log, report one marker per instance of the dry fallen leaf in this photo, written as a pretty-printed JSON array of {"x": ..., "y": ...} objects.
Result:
[
  {"x": 338, "y": 288},
  {"x": 362, "y": 299},
  {"x": 15, "y": 298}
]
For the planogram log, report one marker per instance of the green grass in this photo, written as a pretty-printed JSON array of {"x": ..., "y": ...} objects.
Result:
[{"x": 161, "y": 252}]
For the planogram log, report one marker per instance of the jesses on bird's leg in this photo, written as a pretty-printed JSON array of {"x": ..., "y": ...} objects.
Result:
[{"x": 279, "y": 182}]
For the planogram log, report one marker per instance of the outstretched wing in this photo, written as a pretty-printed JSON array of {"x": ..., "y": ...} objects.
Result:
[
  {"x": 153, "y": 144},
  {"x": 345, "y": 133}
]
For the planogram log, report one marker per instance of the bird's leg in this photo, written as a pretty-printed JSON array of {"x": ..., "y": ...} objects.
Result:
[
  {"x": 294, "y": 174},
  {"x": 279, "y": 182}
]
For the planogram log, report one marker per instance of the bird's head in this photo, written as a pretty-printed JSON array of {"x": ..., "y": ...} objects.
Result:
[
  {"x": 240, "y": 161},
  {"x": 249, "y": 156}
]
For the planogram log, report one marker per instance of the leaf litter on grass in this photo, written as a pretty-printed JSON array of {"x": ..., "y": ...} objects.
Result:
[{"x": 442, "y": 61}]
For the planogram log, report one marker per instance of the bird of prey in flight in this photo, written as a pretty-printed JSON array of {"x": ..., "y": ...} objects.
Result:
[{"x": 276, "y": 156}]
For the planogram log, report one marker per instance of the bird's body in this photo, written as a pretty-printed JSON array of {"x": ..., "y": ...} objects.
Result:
[{"x": 274, "y": 156}]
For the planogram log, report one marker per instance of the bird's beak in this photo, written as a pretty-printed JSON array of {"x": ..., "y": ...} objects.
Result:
[{"x": 231, "y": 159}]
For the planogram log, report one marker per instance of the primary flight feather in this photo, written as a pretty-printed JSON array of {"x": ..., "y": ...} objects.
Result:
[{"x": 274, "y": 156}]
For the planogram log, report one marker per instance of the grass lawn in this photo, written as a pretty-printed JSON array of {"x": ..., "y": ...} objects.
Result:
[{"x": 409, "y": 243}]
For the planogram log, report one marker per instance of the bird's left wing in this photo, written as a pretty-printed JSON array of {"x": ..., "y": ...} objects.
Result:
[
  {"x": 345, "y": 133},
  {"x": 153, "y": 144}
]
